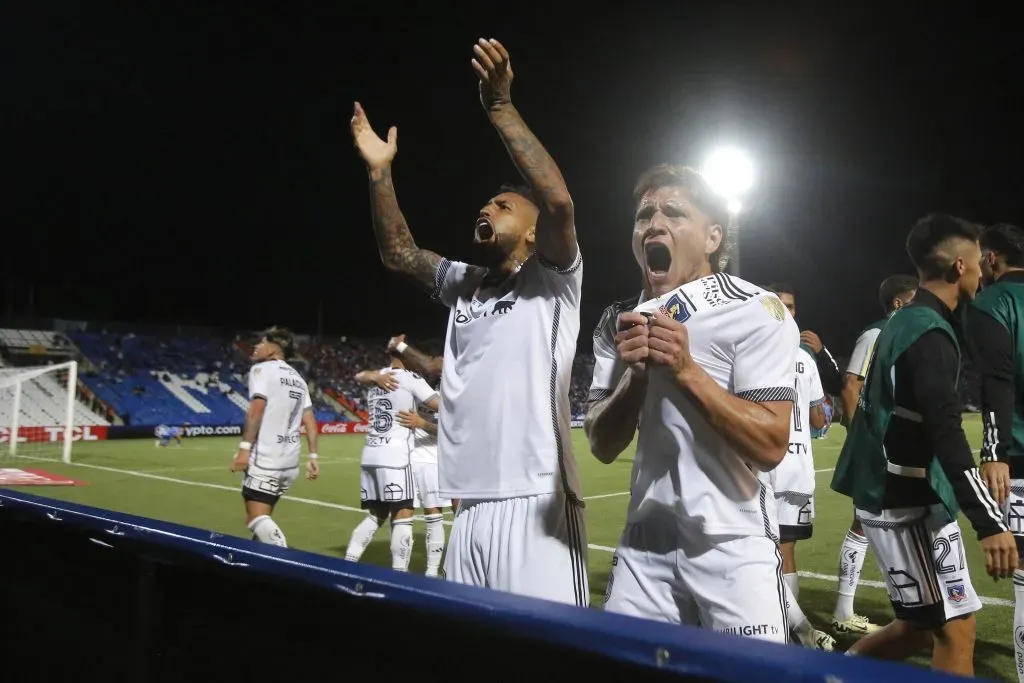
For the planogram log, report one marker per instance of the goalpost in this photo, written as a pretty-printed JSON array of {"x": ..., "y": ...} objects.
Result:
[{"x": 37, "y": 411}]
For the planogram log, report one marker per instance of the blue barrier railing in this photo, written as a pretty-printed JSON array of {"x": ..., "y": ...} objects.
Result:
[{"x": 689, "y": 652}]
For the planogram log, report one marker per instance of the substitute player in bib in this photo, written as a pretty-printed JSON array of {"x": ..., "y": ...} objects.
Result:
[
  {"x": 995, "y": 322},
  {"x": 792, "y": 482},
  {"x": 279, "y": 407},
  {"x": 425, "y": 484},
  {"x": 504, "y": 425},
  {"x": 706, "y": 368},
  {"x": 386, "y": 475},
  {"x": 909, "y": 469},
  {"x": 895, "y": 292}
]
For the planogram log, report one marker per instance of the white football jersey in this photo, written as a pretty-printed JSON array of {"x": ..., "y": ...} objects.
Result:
[
  {"x": 505, "y": 425},
  {"x": 795, "y": 474},
  {"x": 744, "y": 338},
  {"x": 277, "y": 446},
  {"x": 863, "y": 351},
  {"x": 424, "y": 448},
  {"x": 388, "y": 443}
]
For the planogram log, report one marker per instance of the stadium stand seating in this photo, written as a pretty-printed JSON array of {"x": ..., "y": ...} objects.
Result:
[
  {"x": 150, "y": 380},
  {"x": 41, "y": 343},
  {"x": 147, "y": 380}
]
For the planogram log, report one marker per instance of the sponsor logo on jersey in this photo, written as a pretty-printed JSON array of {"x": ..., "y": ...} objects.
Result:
[
  {"x": 502, "y": 307},
  {"x": 750, "y": 630},
  {"x": 774, "y": 307}
]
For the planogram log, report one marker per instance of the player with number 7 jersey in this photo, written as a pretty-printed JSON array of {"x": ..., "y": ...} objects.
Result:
[{"x": 279, "y": 407}]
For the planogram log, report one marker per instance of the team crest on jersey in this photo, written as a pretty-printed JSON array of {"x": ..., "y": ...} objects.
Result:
[
  {"x": 676, "y": 309},
  {"x": 956, "y": 592},
  {"x": 774, "y": 307}
]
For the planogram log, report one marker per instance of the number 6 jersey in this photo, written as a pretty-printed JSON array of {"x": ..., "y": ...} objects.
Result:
[
  {"x": 282, "y": 387},
  {"x": 388, "y": 443}
]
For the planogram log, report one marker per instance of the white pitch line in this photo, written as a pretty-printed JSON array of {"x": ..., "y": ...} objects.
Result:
[
  {"x": 997, "y": 602},
  {"x": 827, "y": 469},
  {"x": 607, "y": 495}
]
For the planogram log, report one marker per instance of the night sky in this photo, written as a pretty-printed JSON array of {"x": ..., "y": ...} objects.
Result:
[{"x": 191, "y": 162}]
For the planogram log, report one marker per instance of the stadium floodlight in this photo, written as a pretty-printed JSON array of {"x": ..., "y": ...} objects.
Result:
[{"x": 730, "y": 173}]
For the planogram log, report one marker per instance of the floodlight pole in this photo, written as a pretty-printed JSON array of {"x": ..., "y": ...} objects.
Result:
[{"x": 734, "y": 236}]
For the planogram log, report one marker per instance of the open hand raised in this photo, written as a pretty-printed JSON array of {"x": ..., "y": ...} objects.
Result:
[
  {"x": 375, "y": 152},
  {"x": 494, "y": 68}
]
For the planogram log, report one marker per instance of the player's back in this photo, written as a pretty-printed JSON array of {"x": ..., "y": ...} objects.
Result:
[
  {"x": 745, "y": 340},
  {"x": 1004, "y": 301},
  {"x": 277, "y": 447},
  {"x": 388, "y": 442},
  {"x": 505, "y": 424}
]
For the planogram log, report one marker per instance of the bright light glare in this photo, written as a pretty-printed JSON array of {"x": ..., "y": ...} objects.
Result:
[
  {"x": 730, "y": 173},
  {"x": 734, "y": 206}
]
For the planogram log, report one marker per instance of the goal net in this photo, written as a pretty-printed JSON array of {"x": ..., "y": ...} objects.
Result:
[{"x": 39, "y": 414}]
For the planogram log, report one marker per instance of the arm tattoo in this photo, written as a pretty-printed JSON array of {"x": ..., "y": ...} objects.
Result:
[
  {"x": 398, "y": 251},
  {"x": 533, "y": 161}
]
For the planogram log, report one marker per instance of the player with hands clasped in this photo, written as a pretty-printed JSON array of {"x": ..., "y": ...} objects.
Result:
[
  {"x": 704, "y": 364},
  {"x": 504, "y": 438}
]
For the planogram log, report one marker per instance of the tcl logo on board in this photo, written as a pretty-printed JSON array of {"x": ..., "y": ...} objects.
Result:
[{"x": 54, "y": 434}]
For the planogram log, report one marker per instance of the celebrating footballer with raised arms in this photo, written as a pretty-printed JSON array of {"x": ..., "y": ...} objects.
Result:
[
  {"x": 504, "y": 424},
  {"x": 706, "y": 367}
]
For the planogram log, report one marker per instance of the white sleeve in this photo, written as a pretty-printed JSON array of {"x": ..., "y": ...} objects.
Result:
[
  {"x": 860, "y": 359},
  {"x": 817, "y": 391},
  {"x": 258, "y": 381},
  {"x": 564, "y": 284},
  {"x": 608, "y": 369},
  {"x": 308, "y": 403},
  {"x": 419, "y": 388},
  {"x": 450, "y": 281},
  {"x": 764, "y": 367}
]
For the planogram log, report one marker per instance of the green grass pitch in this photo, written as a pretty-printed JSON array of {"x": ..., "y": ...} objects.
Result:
[{"x": 192, "y": 485}]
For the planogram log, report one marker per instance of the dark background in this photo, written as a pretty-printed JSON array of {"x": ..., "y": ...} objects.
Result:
[{"x": 191, "y": 162}]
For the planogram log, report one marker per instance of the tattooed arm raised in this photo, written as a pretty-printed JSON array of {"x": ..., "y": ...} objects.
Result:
[
  {"x": 398, "y": 249},
  {"x": 556, "y": 231}
]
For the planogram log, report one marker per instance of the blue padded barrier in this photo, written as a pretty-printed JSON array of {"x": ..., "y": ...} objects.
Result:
[{"x": 164, "y": 598}]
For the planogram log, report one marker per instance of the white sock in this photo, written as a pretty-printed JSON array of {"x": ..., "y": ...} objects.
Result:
[
  {"x": 793, "y": 581},
  {"x": 435, "y": 543},
  {"x": 266, "y": 530},
  {"x": 797, "y": 619},
  {"x": 361, "y": 537},
  {"x": 1018, "y": 620},
  {"x": 401, "y": 544},
  {"x": 851, "y": 561}
]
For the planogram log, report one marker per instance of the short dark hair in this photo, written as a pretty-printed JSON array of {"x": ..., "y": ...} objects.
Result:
[
  {"x": 281, "y": 336},
  {"x": 782, "y": 288},
  {"x": 522, "y": 190},
  {"x": 929, "y": 234},
  {"x": 894, "y": 287},
  {"x": 1007, "y": 241},
  {"x": 706, "y": 199}
]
